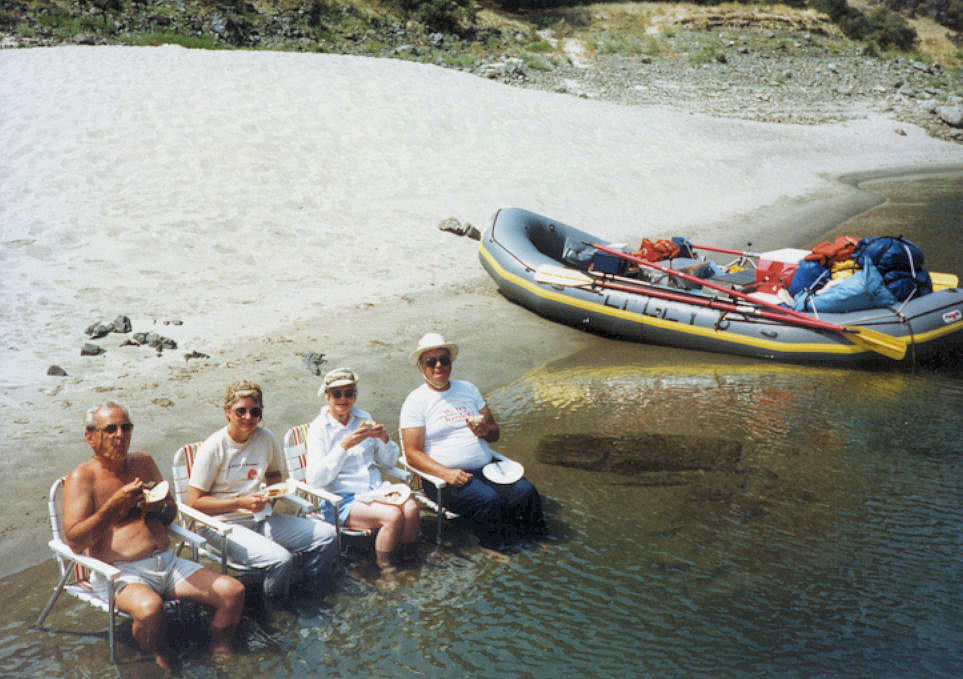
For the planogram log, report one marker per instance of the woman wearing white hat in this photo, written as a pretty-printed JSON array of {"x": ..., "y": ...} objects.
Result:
[
  {"x": 345, "y": 448},
  {"x": 446, "y": 427}
]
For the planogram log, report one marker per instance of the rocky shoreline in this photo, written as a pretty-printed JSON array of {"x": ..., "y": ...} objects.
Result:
[
  {"x": 766, "y": 76},
  {"x": 788, "y": 68}
]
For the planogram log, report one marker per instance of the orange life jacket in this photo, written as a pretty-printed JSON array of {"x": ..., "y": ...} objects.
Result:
[
  {"x": 656, "y": 251},
  {"x": 839, "y": 250}
]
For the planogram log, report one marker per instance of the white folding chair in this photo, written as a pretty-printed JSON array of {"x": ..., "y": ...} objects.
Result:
[
  {"x": 219, "y": 528},
  {"x": 416, "y": 479},
  {"x": 76, "y": 569}
]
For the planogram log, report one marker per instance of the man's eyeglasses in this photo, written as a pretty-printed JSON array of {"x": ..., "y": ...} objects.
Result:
[
  {"x": 241, "y": 412},
  {"x": 432, "y": 360},
  {"x": 337, "y": 393},
  {"x": 126, "y": 427}
]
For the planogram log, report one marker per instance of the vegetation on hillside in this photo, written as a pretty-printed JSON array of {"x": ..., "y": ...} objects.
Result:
[{"x": 376, "y": 26}]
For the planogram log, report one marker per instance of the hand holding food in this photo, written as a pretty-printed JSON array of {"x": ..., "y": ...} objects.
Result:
[{"x": 155, "y": 494}]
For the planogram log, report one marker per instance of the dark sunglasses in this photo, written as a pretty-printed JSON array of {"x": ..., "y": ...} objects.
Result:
[
  {"x": 126, "y": 427},
  {"x": 241, "y": 412},
  {"x": 431, "y": 361},
  {"x": 337, "y": 393}
]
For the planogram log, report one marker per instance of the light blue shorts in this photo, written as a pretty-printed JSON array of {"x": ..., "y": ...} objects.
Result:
[{"x": 161, "y": 571}]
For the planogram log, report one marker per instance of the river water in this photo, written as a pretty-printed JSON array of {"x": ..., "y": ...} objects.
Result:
[{"x": 710, "y": 516}]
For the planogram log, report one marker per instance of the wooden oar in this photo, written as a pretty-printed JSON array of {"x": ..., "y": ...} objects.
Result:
[{"x": 873, "y": 340}]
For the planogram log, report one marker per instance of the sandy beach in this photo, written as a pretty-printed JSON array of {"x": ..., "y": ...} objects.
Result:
[{"x": 258, "y": 206}]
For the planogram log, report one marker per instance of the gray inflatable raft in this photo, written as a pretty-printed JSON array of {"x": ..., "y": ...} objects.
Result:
[{"x": 523, "y": 253}]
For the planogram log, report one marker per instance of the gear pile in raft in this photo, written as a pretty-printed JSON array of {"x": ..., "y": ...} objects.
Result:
[{"x": 853, "y": 300}]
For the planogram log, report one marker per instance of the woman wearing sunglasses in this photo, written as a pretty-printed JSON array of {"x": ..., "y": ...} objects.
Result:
[
  {"x": 345, "y": 449},
  {"x": 230, "y": 471},
  {"x": 446, "y": 427}
]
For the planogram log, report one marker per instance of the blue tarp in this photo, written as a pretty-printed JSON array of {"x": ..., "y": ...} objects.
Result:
[{"x": 865, "y": 289}]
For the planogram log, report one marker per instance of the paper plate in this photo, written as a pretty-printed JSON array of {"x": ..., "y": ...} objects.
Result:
[
  {"x": 393, "y": 494},
  {"x": 503, "y": 471},
  {"x": 157, "y": 493}
]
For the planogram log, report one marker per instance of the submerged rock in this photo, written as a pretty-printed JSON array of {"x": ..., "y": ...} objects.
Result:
[{"x": 631, "y": 455}]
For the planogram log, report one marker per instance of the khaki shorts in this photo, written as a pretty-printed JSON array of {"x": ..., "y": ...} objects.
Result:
[{"x": 161, "y": 571}]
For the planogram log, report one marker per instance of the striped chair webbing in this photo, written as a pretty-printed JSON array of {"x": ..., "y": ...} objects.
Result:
[
  {"x": 182, "y": 465},
  {"x": 295, "y": 451},
  {"x": 81, "y": 573}
]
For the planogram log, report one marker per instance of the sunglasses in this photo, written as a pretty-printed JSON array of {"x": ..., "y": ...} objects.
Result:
[
  {"x": 431, "y": 361},
  {"x": 337, "y": 393},
  {"x": 126, "y": 427},
  {"x": 241, "y": 412}
]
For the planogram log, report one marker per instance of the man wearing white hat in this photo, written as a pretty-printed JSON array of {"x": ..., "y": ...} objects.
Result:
[{"x": 446, "y": 427}]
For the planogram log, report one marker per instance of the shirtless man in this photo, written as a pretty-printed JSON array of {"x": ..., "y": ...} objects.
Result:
[{"x": 106, "y": 514}]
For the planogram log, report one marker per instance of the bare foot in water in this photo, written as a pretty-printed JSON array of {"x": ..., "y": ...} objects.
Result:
[{"x": 164, "y": 663}]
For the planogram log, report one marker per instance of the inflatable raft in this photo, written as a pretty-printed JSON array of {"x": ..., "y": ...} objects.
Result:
[{"x": 530, "y": 258}]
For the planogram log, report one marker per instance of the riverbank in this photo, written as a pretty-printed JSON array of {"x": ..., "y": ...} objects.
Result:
[
  {"x": 770, "y": 63},
  {"x": 257, "y": 207}
]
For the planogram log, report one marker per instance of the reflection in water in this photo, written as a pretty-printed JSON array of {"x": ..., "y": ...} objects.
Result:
[
  {"x": 828, "y": 545},
  {"x": 815, "y": 532}
]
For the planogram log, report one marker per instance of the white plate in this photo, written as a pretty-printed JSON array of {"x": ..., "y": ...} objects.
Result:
[
  {"x": 395, "y": 494},
  {"x": 503, "y": 471},
  {"x": 157, "y": 493}
]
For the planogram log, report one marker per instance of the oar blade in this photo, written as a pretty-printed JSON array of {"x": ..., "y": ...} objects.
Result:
[
  {"x": 944, "y": 281},
  {"x": 557, "y": 275},
  {"x": 881, "y": 343}
]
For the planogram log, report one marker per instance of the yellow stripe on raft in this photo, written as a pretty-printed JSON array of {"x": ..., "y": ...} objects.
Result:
[{"x": 736, "y": 338}]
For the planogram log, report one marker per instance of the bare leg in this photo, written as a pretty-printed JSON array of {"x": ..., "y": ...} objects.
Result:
[
  {"x": 146, "y": 609},
  {"x": 412, "y": 521},
  {"x": 225, "y": 595},
  {"x": 388, "y": 520}
]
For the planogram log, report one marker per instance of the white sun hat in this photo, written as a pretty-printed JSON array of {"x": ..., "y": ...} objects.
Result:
[
  {"x": 340, "y": 377},
  {"x": 433, "y": 340}
]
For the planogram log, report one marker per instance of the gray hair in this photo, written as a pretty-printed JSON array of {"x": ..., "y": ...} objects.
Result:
[{"x": 90, "y": 419}]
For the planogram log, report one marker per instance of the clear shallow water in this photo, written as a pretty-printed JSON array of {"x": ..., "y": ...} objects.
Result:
[{"x": 829, "y": 546}]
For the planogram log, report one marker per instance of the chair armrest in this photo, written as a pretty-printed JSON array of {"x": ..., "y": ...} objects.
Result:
[
  {"x": 187, "y": 536},
  {"x": 433, "y": 480},
  {"x": 302, "y": 504},
  {"x": 89, "y": 562},
  {"x": 319, "y": 493},
  {"x": 200, "y": 517}
]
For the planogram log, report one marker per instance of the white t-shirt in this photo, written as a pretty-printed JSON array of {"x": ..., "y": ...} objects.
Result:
[
  {"x": 225, "y": 468},
  {"x": 448, "y": 439}
]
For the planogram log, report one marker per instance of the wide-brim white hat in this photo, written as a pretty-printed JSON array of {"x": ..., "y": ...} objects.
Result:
[{"x": 433, "y": 340}]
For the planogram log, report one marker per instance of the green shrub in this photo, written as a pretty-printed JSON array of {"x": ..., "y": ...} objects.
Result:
[
  {"x": 445, "y": 16},
  {"x": 154, "y": 38},
  {"x": 882, "y": 26},
  {"x": 535, "y": 62}
]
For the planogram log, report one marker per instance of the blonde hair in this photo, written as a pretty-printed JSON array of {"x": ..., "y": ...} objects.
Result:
[{"x": 243, "y": 389}]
